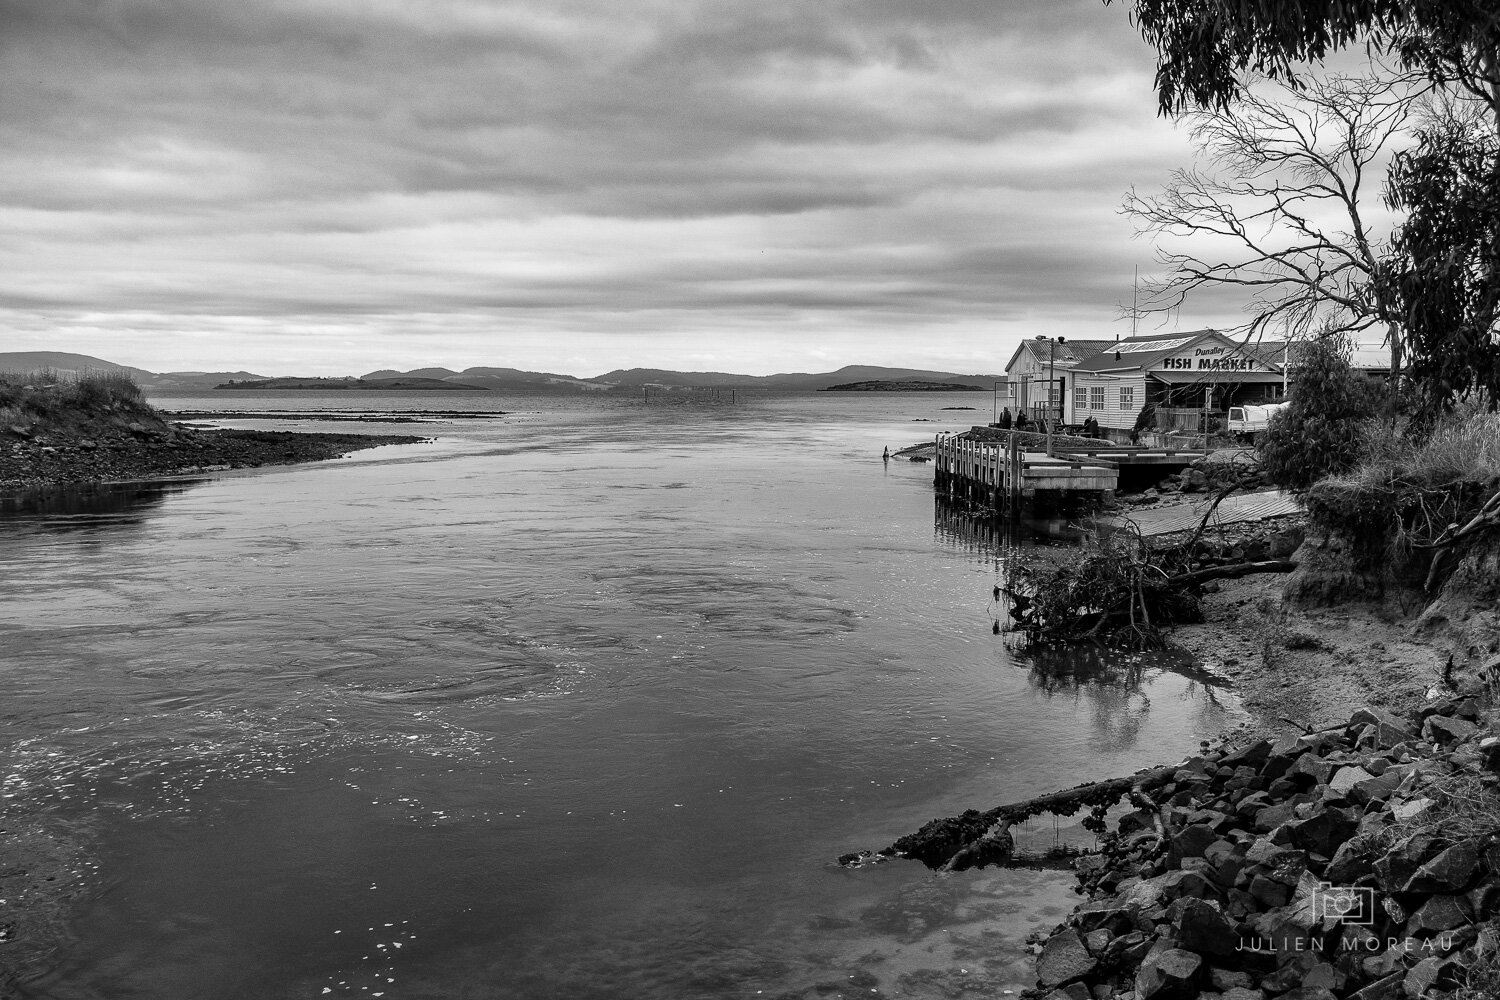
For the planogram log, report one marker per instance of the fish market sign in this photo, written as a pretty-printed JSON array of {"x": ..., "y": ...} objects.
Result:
[{"x": 1211, "y": 358}]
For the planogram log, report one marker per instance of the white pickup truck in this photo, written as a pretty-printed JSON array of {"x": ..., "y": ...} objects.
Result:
[{"x": 1251, "y": 420}]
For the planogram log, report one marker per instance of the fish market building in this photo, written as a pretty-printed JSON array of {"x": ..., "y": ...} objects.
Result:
[{"x": 1187, "y": 376}]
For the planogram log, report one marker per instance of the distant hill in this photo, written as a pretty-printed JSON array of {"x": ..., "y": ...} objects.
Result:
[
  {"x": 327, "y": 384},
  {"x": 76, "y": 364},
  {"x": 793, "y": 380},
  {"x": 635, "y": 378},
  {"x": 497, "y": 378},
  {"x": 903, "y": 385},
  {"x": 68, "y": 364}
]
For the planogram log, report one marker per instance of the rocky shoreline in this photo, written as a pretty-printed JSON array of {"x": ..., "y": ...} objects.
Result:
[
  {"x": 44, "y": 461},
  {"x": 1361, "y": 862}
]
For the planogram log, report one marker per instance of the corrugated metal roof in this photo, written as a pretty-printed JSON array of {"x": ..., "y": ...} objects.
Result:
[
  {"x": 1069, "y": 352},
  {"x": 1143, "y": 352}
]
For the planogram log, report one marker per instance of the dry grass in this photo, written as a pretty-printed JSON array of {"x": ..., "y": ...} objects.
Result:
[
  {"x": 1463, "y": 808},
  {"x": 1481, "y": 979},
  {"x": 27, "y": 395}
]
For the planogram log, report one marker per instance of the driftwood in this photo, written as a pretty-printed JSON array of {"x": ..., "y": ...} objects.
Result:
[
  {"x": 1232, "y": 571},
  {"x": 979, "y": 838}
]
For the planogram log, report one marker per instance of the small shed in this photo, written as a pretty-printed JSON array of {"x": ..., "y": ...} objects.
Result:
[{"x": 1040, "y": 363}]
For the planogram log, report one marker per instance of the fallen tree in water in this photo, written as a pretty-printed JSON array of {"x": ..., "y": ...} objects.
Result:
[{"x": 1123, "y": 592}]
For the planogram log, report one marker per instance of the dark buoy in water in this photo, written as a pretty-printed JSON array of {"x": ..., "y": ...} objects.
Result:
[{"x": 885, "y": 456}]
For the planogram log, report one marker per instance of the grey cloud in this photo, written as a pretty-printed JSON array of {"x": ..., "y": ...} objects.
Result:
[{"x": 902, "y": 160}]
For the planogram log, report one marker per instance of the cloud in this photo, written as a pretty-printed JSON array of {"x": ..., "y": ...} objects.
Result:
[{"x": 415, "y": 177}]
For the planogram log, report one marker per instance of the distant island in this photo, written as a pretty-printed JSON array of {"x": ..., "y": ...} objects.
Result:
[
  {"x": 903, "y": 385},
  {"x": 382, "y": 384}
]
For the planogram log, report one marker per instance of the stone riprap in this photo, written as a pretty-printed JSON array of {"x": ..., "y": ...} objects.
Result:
[{"x": 1356, "y": 863}]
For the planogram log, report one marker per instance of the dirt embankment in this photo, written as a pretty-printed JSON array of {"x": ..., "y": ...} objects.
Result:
[{"x": 99, "y": 428}]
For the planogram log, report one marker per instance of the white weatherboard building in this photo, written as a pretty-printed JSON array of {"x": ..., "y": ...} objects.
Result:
[{"x": 1036, "y": 377}]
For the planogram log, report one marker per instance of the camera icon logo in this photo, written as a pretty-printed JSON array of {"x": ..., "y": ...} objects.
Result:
[{"x": 1348, "y": 904}]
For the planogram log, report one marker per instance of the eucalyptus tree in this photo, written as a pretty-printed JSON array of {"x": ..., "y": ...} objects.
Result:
[{"x": 1444, "y": 273}]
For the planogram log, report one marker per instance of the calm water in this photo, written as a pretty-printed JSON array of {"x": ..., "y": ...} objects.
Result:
[{"x": 579, "y": 702}]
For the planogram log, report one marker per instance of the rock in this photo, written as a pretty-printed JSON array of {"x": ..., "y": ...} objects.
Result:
[
  {"x": 1064, "y": 959},
  {"x": 1489, "y": 750},
  {"x": 1447, "y": 730},
  {"x": 1467, "y": 708},
  {"x": 1451, "y": 871},
  {"x": 1397, "y": 867},
  {"x": 1321, "y": 833},
  {"x": 1440, "y": 913},
  {"x": 1351, "y": 862},
  {"x": 1386, "y": 988},
  {"x": 1296, "y": 963},
  {"x": 1168, "y": 973},
  {"x": 1310, "y": 766},
  {"x": 1225, "y": 980},
  {"x": 1426, "y": 975},
  {"x": 1200, "y": 926},
  {"x": 1345, "y": 778},
  {"x": 1271, "y": 817},
  {"x": 1253, "y": 755},
  {"x": 1073, "y": 991},
  {"x": 1410, "y": 809},
  {"x": 1192, "y": 841},
  {"x": 1389, "y": 729},
  {"x": 1097, "y": 941},
  {"x": 1268, "y": 892},
  {"x": 1377, "y": 788}
]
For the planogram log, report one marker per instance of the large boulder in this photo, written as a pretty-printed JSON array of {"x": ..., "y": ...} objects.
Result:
[
  {"x": 1168, "y": 973},
  {"x": 1064, "y": 959},
  {"x": 1200, "y": 925},
  {"x": 1451, "y": 871}
]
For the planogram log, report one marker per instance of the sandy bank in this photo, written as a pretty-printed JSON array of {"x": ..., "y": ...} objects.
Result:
[{"x": 1309, "y": 667}]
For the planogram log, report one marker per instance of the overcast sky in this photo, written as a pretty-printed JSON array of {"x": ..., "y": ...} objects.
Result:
[{"x": 334, "y": 186}]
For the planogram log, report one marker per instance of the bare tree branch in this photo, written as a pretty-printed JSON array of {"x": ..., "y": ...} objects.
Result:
[{"x": 1277, "y": 199}]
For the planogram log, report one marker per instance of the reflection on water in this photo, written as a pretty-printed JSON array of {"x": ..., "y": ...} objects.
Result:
[
  {"x": 582, "y": 701},
  {"x": 85, "y": 507},
  {"x": 1115, "y": 684}
]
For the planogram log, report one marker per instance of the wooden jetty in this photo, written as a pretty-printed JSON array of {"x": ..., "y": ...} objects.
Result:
[{"x": 1002, "y": 473}]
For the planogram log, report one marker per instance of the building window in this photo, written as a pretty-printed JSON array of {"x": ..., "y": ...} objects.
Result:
[
  {"x": 1080, "y": 397},
  {"x": 1127, "y": 397},
  {"x": 1096, "y": 397}
]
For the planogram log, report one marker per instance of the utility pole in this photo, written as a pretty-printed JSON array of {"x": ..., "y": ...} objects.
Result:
[{"x": 1052, "y": 343}]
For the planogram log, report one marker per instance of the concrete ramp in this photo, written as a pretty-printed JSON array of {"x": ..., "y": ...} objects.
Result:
[{"x": 1185, "y": 516}]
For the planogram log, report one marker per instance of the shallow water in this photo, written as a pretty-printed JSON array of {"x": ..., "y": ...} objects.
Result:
[{"x": 581, "y": 701}]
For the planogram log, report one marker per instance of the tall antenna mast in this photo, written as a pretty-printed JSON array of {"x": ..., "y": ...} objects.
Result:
[{"x": 1135, "y": 288}]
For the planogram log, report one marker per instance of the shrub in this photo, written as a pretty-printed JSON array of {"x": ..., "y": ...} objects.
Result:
[
  {"x": 99, "y": 389},
  {"x": 1321, "y": 432}
]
